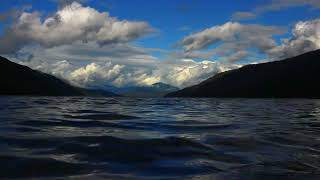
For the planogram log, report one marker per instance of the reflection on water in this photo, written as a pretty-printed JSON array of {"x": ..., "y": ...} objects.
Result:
[{"x": 126, "y": 138}]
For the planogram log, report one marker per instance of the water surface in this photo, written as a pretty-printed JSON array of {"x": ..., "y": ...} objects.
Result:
[{"x": 159, "y": 138}]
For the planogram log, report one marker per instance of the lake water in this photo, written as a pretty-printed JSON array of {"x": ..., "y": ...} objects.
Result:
[{"x": 159, "y": 138}]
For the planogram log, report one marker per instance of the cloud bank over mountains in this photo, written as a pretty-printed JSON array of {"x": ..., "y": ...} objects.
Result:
[
  {"x": 180, "y": 73},
  {"x": 92, "y": 48}
]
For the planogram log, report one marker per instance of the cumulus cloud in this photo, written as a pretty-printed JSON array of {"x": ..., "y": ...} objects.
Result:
[
  {"x": 92, "y": 49},
  {"x": 305, "y": 37},
  {"x": 80, "y": 53},
  {"x": 178, "y": 72},
  {"x": 13, "y": 13},
  {"x": 254, "y": 35},
  {"x": 232, "y": 41},
  {"x": 63, "y": 3},
  {"x": 89, "y": 65},
  {"x": 70, "y": 24},
  {"x": 237, "y": 56},
  {"x": 121, "y": 64}
]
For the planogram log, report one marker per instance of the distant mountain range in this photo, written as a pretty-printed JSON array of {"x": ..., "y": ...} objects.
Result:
[
  {"x": 296, "y": 77},
  {"x": 16, "y": 79},
  {"x": 155, "y": 90}
]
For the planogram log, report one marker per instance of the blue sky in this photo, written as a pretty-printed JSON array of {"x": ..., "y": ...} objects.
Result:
[
  {"x": 153, "y": 34},
  {"x": 175, "y": 18}
]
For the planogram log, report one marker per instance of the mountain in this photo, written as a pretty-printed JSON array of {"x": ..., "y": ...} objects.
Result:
[
  {"x": 17, "y": 79},
  {"x": 97, "y": 92},
  {"x": 164, "y": 87},
  {"x": 296, "y": 77},
  {"x": 155, "y": 90}
]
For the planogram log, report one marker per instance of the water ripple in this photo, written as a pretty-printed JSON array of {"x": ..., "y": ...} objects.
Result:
[{"x": 159, "y": 138}]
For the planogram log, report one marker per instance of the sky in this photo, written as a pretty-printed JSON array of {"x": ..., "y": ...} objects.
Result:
[{"x": 102, "y": 43}]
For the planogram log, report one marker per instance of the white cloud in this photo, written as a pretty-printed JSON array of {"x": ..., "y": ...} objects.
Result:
[
  {"x": 63, "y": 3},
  {"x": 251, "y": 35},
  {"x": 275, "y": 5},
  {"x": 235, "y": 41},
  {"x": 237, "y": 56},
  {"x": 70, "y": 24},
  {"x": 232, "y": 41},
  {"x": 192, "y": 54},
  {"x": 90, "y": 48},
  {"x": 188, "y": 72},
  {"x": 180, "y": 73},
  {"x": 305, "y": 38},
  {"x": 95, "y": 73}
]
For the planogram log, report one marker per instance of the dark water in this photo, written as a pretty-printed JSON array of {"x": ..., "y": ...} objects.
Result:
[{"x": 122, "y": 138}]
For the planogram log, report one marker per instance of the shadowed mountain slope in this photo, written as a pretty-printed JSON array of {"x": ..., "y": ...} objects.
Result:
[
  {"x": 296, "y": 77},
  {"x": 16, "y": 79},
  {"x": 155, "y": 90}
]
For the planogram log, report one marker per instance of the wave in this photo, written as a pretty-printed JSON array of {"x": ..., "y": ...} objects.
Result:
[{"x": 120, "y": 138}]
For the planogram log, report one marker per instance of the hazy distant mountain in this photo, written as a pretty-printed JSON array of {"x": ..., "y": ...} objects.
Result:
[
  {"x": 296, "y": 77},
  {"x": 156, "y": 90},
  {"x": 96, "y": 92},
  {"x": 164, "y": 87},
  {"x": 17, "y": 79}
]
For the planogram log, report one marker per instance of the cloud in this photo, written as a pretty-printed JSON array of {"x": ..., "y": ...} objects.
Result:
[
  {"x": 13, "y": 13},
  {"x": 63, "y": 3},
  {"x": 89, "y": 65},
  {"x": 179, "y": 73},
  {"x": 252, "y": 35},
  {"x": 231, "y": 42},
  {"x": 243, "y": 16},
  {"x": 274, "y": 5},
  {"x": 240, "y": 55},
  {"x": 68, "y": 25},
  {"x": 192, "y": 54},
  {"x": 82, "y": 53},
  {"x": 305, "y": 38},
  {"x": 92, "y": 49},
  {"x": 187, "y": 72}
]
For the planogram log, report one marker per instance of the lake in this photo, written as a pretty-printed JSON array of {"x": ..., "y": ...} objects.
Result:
[{"x": 159, "y": 138}]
